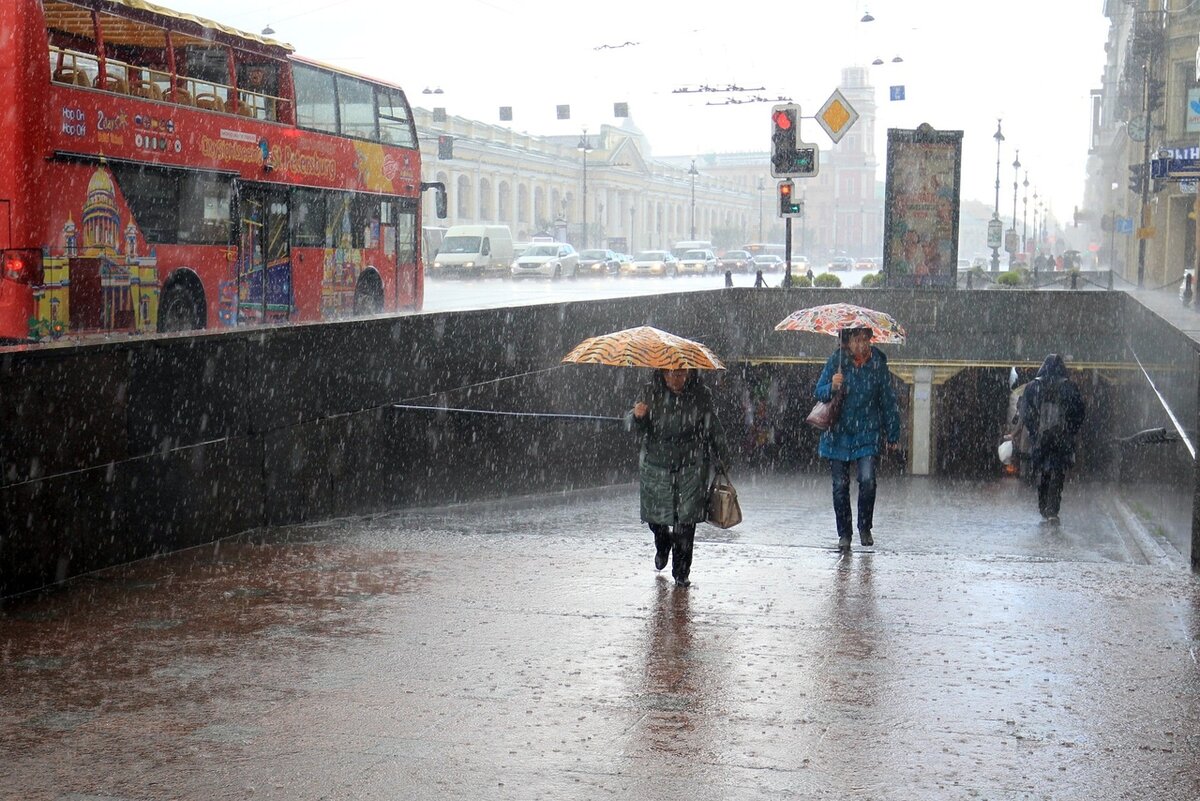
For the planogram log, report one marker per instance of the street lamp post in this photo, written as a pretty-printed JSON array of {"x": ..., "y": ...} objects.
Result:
[
  {"x": 693, "y": 172},
  {"x": 999, "y": 137},
  {"x": 1012, "y": 255},
  {"x": 1025, "y": 215},
  {"x": 584, "y": 147},
  {"x": 1036, "y": 248}
]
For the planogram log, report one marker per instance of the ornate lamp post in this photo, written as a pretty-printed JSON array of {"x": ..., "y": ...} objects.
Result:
[
  {"x": 584, "y": 147},
  {"x": 694, "y": 172},
  {"x": 1036, "y": 247},
  {"x": 994, "y": 228},
  {"x": 1012, "y": 255},
  {"x": 1025, "y": 215}
]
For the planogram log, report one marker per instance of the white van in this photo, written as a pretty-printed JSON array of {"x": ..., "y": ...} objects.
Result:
[
  {"x": 474, "y": 250},
  {"x": 683, "y": 246}
]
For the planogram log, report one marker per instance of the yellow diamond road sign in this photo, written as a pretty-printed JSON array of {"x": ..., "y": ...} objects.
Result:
[{"x": 837, "y": 116}]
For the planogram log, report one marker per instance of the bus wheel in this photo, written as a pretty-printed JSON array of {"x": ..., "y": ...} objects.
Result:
[
  {"x": 368, "y": 295},
  {"x": 179, "y": 309}
]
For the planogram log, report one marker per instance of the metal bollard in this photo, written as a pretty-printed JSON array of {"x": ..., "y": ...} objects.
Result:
[
  {"x": 969, "y": 277},
  {"x": 1074, "y": 280},
  {"x": 1110, "y": 280},
  {"x": 728, "y": 278}
]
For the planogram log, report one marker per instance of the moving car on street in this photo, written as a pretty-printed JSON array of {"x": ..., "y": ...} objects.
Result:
[
  {"x": 698, "y": 262},
  {"x": 547, "y": 260},
  {"x": 768, "y": 263},
  {"x": 652, "y": 262},
  {"x": 737, "y": 261},
  {"x": 599, "y": 262},
  {"x": 840, "y": 263}
]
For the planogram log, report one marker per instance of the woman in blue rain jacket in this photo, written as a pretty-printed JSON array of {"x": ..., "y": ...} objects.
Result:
[{"x": 869, "y": 410}]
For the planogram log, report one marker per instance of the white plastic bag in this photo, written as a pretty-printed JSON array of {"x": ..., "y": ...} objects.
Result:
[{"x": 1005, "y": 451}]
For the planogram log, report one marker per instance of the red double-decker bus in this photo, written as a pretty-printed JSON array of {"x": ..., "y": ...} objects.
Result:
[{"x": 162, "y": 172}]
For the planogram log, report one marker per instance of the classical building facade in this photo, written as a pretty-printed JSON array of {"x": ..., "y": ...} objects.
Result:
[
  {"x": 617, "y": 194},
  {"x": 1150, "y": 73}
]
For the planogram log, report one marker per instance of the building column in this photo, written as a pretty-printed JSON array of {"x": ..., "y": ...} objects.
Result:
[{"x": 920, "y": 460}]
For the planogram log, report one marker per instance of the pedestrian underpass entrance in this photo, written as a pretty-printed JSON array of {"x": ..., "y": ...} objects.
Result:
[{"x": 161, "y": 443}]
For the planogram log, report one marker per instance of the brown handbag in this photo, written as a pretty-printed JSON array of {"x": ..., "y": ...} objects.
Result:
[
  {"x": 724, "y": 511},
  {"x": 825, "y": 414}
]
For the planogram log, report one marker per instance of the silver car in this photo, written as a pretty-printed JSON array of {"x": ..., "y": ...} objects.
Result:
[
  {"x": 547, "y": 260},
  {"x": 699, "y": 262}
]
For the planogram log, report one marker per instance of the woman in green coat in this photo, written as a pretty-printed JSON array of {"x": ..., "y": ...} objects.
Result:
[{"x": 680, "y": 436}]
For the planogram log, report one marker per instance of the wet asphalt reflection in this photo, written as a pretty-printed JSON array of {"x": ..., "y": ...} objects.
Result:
[{"x": 528, "y": 649}]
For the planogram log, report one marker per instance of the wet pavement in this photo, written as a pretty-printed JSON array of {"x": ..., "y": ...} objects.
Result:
[{"x": 527, "y": 649}]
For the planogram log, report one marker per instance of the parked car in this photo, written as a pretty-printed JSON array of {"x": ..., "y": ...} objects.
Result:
[
  {"x": 547, "y": 260},
  {"x": 599, "y": 262},
  {"x": 652, "y": 262},
  {"x": 737, "y": 261},
  {"x": 698, "y": 262},
  {"x": 840, "y": 263},
  {"x": 768, "y": 263},
  {"x": 867, "y": 263}
]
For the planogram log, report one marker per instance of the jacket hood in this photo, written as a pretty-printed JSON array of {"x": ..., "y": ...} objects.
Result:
[{"x": 1052, "y": 367}]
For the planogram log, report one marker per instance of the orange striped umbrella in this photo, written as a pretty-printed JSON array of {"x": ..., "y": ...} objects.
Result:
[{"x": 644, "y": 347}]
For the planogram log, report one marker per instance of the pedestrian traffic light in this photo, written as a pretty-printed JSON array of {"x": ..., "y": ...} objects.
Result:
[
  {"x": 790, "y": 157},
  {"x": 445, "y": 147},
  {"x": 789, "y": 206},
  {"x": 1137, "y": 178}
]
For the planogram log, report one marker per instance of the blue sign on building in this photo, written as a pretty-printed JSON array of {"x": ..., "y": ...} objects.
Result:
[
  {"x": 897, "y": 92},
  {"x": 1124, "y": 225}
]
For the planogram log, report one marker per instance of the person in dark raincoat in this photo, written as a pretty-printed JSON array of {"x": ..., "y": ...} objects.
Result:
[
  {"x": 869, "y": 410},
  {"x": 1053, "y": 414},
  {"x": 681, "y": 436}
]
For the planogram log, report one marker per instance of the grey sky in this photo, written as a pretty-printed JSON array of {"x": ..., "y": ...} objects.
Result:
[{"x": 1032, "y": 62}]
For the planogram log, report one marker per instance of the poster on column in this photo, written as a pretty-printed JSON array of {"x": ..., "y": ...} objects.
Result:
[{"x": 920, "y": 214}]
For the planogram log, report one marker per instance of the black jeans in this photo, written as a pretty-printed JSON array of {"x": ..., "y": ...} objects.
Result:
[
  {"x": 840, "y": 473},
  {"x": 1050, "y": 488},
  {"x": 679, "y": 542}
]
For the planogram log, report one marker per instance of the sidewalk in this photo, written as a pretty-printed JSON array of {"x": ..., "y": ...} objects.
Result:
[{"x": 527, "y": 649}]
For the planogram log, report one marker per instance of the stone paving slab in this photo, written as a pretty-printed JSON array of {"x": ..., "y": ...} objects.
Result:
[{"x": 526, "y": 649}]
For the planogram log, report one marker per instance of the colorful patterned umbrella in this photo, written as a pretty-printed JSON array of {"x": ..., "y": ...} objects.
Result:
[
  {"x": 833, "y": 317},
  {"x": 644, "y": 347}
]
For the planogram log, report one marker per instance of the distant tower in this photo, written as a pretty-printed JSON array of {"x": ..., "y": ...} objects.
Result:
[{"x": 859, "y": 213}]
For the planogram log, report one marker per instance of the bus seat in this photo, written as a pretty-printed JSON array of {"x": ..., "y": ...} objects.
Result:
[
  {"x": 209, "y": 101},
  {"x": 112, "y": 83},
  {"x": 68, "y": 75},
  {"x": 183, "y": 97},
  {"x": 146, "y": 89}
]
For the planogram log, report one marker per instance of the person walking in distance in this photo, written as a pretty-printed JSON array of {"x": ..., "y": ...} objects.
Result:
[
  {"x": 1053, "y": 413},
  {"x": 869, "y": 410},
  {"x": 681, "y": 436}
]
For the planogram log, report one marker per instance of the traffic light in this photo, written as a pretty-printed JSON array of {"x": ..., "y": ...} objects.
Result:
[
  {"x": 790, "y": 157},
  {"x": 789, "y": 206},
  {"x": 1137, "y": 178},
  {"x": 445, "y": 147}
]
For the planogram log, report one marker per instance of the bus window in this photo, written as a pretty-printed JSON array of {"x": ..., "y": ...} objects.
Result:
[
  {"x": 365, "y": 221},
  {"x": 308, "y": 218},
  {"x": 153, "y": 196},
  {"x": 315, "y": 106},
  {"x": 395, "y": 127},
  {"x": 406, "y": 232},
  {"x": 356, "y": 108},
  {"x": 204, "y": 209}
]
